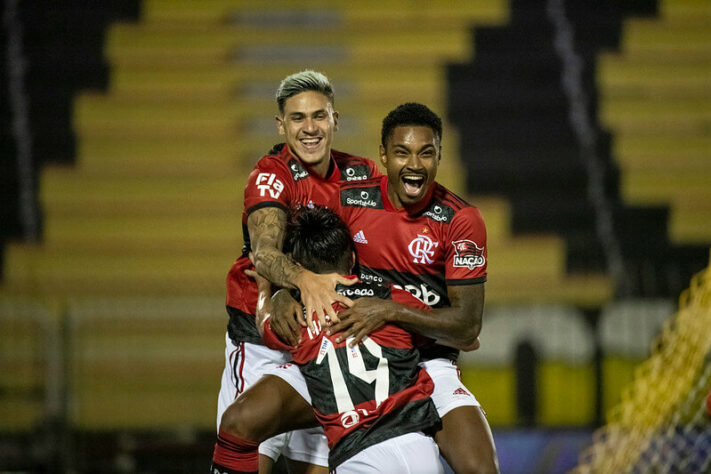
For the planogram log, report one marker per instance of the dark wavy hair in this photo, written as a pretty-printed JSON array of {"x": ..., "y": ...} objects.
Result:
[
  {"x": 410, "y": 113},
  {"x": 319, "y": 240}
]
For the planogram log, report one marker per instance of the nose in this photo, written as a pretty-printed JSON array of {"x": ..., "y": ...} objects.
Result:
[
  {"x": 310, "y": 125},
  {"x": 413, "y": 162}
]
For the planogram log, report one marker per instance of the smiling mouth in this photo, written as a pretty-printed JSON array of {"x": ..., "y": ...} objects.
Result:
[
  {"x": 413, "y": 184},
  {"x": 310, "y": 143}
]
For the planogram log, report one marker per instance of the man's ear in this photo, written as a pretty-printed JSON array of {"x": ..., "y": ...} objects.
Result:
[
  {"x": 335, "y": 120},
  {"x": 383, "y": 156},
  {"x": 280, "y": 124},
  {"x": 353, "y": 260}
]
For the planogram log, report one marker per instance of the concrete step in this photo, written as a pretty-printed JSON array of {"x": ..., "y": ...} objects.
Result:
[
  {"x": 116, "y": 156},
  {"x": 633, "y": 108},
  {"x": 355, "y": 13},
  {"x": 146, "y": 235},
  {"x": 579, "y": 290},
  {"x": 351, "y": 81},
  {"x": 660, "y": 188},
  {"x": 690, "y": 222},
  {"x": 206, "y": 42},
  {"x": 624, "y": 69},
  {"x": 655, "y": 152},
  {"x": 58, "y": 273},
  {"x": 61, "y": 187},
  {"x": 673, "y": 30}
]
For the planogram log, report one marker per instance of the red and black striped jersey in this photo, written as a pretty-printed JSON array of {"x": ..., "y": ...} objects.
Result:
[
  {"x": 424, "y": 248},
  {"x": 369, "y": 393},
  {"x": 281, "y": 180}
]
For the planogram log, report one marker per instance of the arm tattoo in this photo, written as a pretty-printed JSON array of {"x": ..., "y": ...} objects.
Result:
[{"x": 267, "y": 227}]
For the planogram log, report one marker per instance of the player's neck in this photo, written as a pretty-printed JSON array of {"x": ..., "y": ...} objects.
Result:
[{"x": 323, "y": 168}]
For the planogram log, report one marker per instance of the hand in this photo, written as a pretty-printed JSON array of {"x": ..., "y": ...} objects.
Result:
[
  {"x": 263, "y": 285},
  {"x": 287, "y": 314},
  {"x": 365, "y": 316},
  {"x": 318, "y": 295}
]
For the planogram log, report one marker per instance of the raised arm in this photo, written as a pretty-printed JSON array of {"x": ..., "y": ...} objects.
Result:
[
  {"x": 456, "y": 326},
  {"x": 267, "y": 228}
]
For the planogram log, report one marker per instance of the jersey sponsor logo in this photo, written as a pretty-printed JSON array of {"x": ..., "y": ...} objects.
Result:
[
  {"x": 347, "y": 291},
  {"x": 364, "y": 288},
  {"x": 297, "y": 171},
  {"x": 468, "y": 254},
  {"x": 422, "y": 292},
  {"x": 429, "y": 289},
  {"x": 355, "y": 173},
  {"x": 268, "y": 183},
  {"x": 369, "y": 277},
  {"x": 460, "y": 391},
  {"x": 359, "y": 237},
  {"x": 362, "y": 197},
  {"x": 439, "y": 212},
  {"x": 422, "y": 248}
]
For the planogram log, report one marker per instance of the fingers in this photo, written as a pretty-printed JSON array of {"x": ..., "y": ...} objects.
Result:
[
  {"x": 346, "y": 281},
  {"x": 344, "y": 300},
  {"x": 355, "y": 339},
  {"x": 342, "y": 325},
  {"x": 250, "y": 273},
  {"x": 299, "y": 316},
  {"x": 332, "y": 315},
  {"x": 309, "y": 314},
  {"x": 282, "y": 329}
]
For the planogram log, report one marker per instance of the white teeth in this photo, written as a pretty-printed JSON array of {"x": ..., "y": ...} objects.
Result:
[{"x": 310, "y": 141}]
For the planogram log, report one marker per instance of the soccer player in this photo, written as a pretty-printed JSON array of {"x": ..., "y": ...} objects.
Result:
[
  {"x": 372, "y": 399},
  {"x": 430, "y": 242},
  {"x": 302, "y": 171},
  {"x": 413, "y": 232}
]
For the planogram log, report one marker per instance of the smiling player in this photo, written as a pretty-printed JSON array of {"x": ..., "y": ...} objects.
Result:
[{"x": 411, "y": 231}]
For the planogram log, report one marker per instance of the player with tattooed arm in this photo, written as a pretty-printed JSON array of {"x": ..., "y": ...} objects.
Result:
[{"x": 303, "y": 171}]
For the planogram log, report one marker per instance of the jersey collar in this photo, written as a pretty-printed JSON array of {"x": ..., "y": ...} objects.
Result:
[
  {"x": 333, "y": 174},
  {"x": 412, "y": 210}
]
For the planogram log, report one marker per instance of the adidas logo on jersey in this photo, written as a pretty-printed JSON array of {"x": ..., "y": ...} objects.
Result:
[
  {"x": 360, "y": 237},
  {"x": 460, "y": 391}
]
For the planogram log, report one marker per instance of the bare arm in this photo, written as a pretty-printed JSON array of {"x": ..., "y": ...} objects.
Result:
[
  {"x": 267, "y": 227},
  {"x": 456, "y": 326},
  {"x": 264, "y": 300}
]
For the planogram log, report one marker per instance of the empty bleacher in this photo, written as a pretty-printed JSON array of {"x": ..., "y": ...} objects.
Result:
[{"x": 142, "y": 208}]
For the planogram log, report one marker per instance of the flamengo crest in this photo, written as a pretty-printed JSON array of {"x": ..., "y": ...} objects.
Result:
[
  {"x": 422, "y": 248},
  {"x": 468, "y": 254}
]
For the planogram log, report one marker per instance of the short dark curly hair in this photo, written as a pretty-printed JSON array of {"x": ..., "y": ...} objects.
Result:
[{"x": 410, "y": 113}]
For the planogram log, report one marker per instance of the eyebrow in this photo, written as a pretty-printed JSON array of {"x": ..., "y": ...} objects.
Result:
[
  {"x": 315, "y": 112},
  {"x": 405, "y": 147}
]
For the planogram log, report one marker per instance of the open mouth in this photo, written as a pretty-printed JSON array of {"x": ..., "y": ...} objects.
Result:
[
  {"x": 310, "y": 143},
  {"x": 413, "y": 184}
]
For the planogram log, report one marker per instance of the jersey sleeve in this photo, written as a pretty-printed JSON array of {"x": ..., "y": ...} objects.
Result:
[
  {"x": 270, "y": 184},
  {"x": 466, "y": 252}
]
